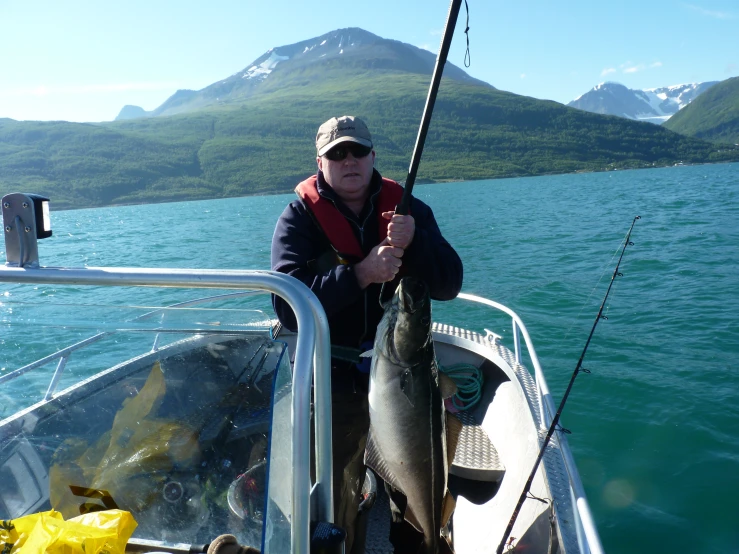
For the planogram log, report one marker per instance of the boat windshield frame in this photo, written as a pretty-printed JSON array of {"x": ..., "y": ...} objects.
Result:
[{"x": 311, "y": 364}]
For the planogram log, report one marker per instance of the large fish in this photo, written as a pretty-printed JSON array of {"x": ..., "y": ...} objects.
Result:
[{"x": 406, "y": 445}]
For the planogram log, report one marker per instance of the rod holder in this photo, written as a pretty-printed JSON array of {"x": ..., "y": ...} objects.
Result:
[{"x": 25, "y": 220}]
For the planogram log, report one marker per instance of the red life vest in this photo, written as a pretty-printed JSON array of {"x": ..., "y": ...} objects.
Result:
[{"x": 333, "y": 223}]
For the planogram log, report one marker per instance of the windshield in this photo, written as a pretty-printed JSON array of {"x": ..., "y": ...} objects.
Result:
[{"x": 167, "y": 414}]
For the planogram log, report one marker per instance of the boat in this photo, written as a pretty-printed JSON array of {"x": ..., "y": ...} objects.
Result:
[{"x": 196, "y": 417}]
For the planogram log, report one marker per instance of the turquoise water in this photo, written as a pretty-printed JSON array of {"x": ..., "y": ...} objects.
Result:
[{"x": 655, "y": 426}]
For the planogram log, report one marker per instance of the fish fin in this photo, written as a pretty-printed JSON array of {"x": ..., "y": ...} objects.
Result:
[
  {"x": 411, "y": 518},
  {"x": 373, "y": 459},
  {"x": 368, "y": 353},
  {"x": 406, "y": 385},
  {"x": 447, "y": 508},
  {"x": 453, "y": 430},
  {"x": 447, "y": 386}
]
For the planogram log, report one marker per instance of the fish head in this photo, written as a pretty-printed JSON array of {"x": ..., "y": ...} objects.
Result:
[{"x": 412, "y": 332}]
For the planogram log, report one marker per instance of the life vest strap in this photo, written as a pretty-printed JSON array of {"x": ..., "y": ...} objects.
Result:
[{"x": 334, "y": 224}]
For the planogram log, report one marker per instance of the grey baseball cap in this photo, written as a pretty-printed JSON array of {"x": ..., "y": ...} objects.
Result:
[{"x": 336, "y": 130}]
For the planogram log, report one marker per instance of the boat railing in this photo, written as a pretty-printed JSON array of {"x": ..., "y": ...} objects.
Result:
[
  {"x": 311, "y": 365},
  {"x": 585, "y": 524},
  {"x": 63, "y": 354}
]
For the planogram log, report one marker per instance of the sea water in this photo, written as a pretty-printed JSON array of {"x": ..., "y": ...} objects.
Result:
[{"x": 655, "y": 425}]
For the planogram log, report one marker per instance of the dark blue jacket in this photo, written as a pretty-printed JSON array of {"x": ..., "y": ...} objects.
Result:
[{"x": 353, "y": 314}]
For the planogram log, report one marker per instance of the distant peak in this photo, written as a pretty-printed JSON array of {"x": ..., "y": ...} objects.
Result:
[
  {"x": 131, "y": 112},
  {"x": 673, "y": 87},
  {"x": 351, "y": 30},
  {"x": 605, "y": 84},
  {"x": 655, "y": 105},
  {"x": 350, "y": 49}
]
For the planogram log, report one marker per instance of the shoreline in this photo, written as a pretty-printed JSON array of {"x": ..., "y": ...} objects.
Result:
[{"x": 418, "y": 182}]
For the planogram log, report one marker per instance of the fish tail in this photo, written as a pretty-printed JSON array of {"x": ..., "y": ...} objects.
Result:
[
  {"x": 436, "y": 545},
  {"x": 444, "y": 547}
]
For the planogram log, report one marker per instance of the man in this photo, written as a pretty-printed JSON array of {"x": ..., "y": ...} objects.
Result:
[{"x": 343, "y": 240}]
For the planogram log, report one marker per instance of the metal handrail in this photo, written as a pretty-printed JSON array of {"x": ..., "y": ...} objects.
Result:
[
  {"x": 313, "y": 341},
  {"x": 65, "y": 352},
  {"x": 547, "y": 411},
  {"x": 62, "y": 353}
]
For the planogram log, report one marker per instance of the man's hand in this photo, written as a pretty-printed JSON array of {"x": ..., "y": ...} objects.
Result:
[
  {"x": 380, "y": 265},
  {"x": 401, "y": 229}
]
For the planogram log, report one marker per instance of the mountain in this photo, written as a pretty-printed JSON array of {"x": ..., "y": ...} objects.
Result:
[
  {"x": 654, "y": 105},
  {"x": 236, "y": 138},
  {"x": 344, "y": 53},
  {"x": 131, "y": 112},
  {"x": 714, "y": 116}
]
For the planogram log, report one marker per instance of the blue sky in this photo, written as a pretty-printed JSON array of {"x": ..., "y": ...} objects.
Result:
[{"x": 84, "y": 60}]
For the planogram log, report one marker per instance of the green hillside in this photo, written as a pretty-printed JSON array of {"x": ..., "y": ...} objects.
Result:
[
  {"x": 265, "y": 143},
  {"x": 714, "y": 115}
]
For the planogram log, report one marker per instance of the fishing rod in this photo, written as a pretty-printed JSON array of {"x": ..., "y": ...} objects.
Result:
[
  {"x": 446, "y": 42},
  {"x": 555, "y": 421}
]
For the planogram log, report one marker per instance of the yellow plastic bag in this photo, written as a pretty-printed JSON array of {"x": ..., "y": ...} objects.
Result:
[{"x": 104, "y": 532}]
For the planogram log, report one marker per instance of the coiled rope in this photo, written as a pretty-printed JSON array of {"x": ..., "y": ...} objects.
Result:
[{"x": 468, "y": 379}]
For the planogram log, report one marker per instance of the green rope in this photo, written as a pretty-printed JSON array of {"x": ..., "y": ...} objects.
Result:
[{"x": 468, "y": 379}]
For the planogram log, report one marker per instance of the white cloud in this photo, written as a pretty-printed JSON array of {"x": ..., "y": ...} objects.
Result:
[
  {"x": 711, "y": 13},
  {"x": 630, "y": 68},
  {"x": 523, "y": 75}
]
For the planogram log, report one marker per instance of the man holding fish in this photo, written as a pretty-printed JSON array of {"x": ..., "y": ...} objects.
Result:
[{"x": 343, "y": 239}]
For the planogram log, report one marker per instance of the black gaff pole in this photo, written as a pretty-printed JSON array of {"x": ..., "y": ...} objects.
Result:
[
  {"x": 446, "y": 41},
  {"x": 555, "y": 421}
]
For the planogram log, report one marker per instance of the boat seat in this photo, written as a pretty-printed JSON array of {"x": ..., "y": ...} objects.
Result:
[{"x": 475, "y": 457}]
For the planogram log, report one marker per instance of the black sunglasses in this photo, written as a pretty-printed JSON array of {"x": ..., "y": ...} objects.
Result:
[{"x": 340, "y": 152}]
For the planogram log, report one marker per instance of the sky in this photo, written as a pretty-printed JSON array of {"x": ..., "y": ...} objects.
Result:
[{"x": 83, "y": 60}]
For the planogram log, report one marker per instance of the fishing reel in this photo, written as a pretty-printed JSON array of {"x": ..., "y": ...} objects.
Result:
[{"x": 246, "y": 494}]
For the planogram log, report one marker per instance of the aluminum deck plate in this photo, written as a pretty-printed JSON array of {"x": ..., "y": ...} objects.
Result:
[{"x": 475, "y": 456}]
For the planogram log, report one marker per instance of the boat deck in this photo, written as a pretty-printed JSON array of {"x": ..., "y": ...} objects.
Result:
[{"x": 475, "y": 461}]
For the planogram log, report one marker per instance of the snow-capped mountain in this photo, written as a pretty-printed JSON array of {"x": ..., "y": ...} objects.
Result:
[
  {"x": 655, "y": 105},
  {"x": 345, "y": 51}
]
